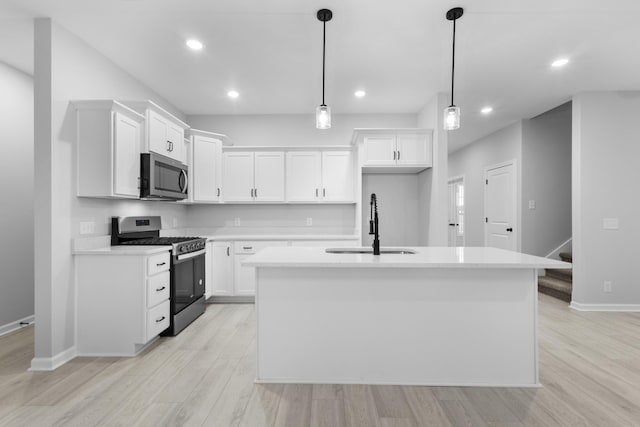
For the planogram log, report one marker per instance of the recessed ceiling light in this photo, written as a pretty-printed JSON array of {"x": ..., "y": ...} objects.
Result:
[
  {"x": 560, "y": 62},
  {"x": 486, "y": 110},
  {"x": 360, "y": 93},
  {"x": 195, "y": 44},
  {"x": 233, "y": 94}
]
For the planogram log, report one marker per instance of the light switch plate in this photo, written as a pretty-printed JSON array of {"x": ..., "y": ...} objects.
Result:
[
  {"x": 87, "y": 227},
  {"x": 610, "y": 223}
]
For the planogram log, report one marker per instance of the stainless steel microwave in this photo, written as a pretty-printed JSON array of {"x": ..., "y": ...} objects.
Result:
[{"x": 162, "y": 178}]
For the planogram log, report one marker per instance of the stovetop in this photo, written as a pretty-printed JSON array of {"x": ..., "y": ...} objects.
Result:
[{"x": 157, "y": 241}]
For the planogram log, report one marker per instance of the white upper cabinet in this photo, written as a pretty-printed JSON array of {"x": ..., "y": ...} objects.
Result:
[
  {"x": 380, "y": 150},
  {"x": 337, "y": 176},
  {"x": 269, "y": 176},
  {"x": 164, "y": 132},
  {"x": 400, "y": 152},
  {"x": 315, "y": 176},
  {"x": 205, "y": 167},
  {"x": 108, "y": 149},
  {"x": 304, "y": 176},
  {"x": 249, "y": 176}
]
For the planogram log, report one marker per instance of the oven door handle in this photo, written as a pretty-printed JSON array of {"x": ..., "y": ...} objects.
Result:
[{"x": 191, "y": 255}]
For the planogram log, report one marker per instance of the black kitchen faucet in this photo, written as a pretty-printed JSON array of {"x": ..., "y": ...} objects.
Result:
[{"x": 373, "y": 224}]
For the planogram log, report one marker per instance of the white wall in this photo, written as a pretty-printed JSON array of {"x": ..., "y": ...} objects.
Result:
[
  {"x": 432, "y": 183},
  {"x": 16, "y": 192},
  {"x": 288, "y": 130},
  {"x": 398, "y": 208},
  {"x": 67, "y": 69},
  {"x": 296, "y": 129},
  {"x": 546, "y": 179},
  {"x": 470, "y": 161},
  {"x": 605, "y": 177}
]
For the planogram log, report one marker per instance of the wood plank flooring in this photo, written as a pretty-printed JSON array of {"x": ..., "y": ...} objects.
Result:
[{"x": 589, "y": 368}]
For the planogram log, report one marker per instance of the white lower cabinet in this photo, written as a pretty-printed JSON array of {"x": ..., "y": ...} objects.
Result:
[
  {"x": 221, "y": 269},
  {"x": 123, "y": 302},
  {"x": 245, "y": 277}
]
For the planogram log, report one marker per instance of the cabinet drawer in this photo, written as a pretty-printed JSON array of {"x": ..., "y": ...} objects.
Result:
[
  {"x": 158, "y": 288},
  {"x": 157, "y": 263},
  {"x": 157, "y": 319},
  {"x": 249, "y": 247}
]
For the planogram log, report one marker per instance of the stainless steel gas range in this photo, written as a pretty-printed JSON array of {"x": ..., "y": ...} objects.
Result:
[{"x": 187, "y": 265}]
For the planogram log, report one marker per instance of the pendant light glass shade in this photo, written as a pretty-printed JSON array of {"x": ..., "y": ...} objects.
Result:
[
  {"x": 323, "y": 117},
  {"x": 451, "y": 117}
]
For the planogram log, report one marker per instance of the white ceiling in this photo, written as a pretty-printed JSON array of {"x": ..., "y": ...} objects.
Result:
[{"x": 399, "y": 52}]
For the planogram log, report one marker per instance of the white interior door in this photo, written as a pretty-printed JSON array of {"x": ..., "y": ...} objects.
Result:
[
  {"x": 456, "y": 212},
  {"x": 501, "y": 207}
]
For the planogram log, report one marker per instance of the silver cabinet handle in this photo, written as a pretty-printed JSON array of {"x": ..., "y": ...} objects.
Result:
[
  {"x": 324, "y": 192},
  {"x": 394, "y": 155},
  {"x": 168, "y": 145},
  {"x": 183, "y": 173},
  {"x": 160, "y": 319},
  {"x": 316, "y": 192},
  {"x": 247, "y": 247},
  {"x": 161, "y": 289},
  {"x": 161, "y": 264},
  {"x": 227, "y": 250},
  {"x": 255, "y": 192},
  {"x": 252, "y": 192},
  {"x": 218, "y": 191},
  {"x": 398, "y": 155}
]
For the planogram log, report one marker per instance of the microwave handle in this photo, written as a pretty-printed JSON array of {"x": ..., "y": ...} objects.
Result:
[{"x": 184, "y": 174}]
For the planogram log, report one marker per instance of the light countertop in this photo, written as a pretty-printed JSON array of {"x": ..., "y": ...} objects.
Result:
[
  {"x": 262, "y": 237},
  {"x": 123, "y": 250},
  {"x": 426, "y": 257}
]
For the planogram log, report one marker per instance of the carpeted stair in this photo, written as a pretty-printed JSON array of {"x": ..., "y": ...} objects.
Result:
[{"x": 558, "y": 283}]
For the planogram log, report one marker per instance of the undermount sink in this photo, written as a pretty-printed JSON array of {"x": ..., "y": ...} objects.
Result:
[{"x": 396, "y": 251}]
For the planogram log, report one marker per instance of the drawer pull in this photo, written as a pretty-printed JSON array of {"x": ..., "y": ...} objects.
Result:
[
  {"x": 160, "y": 319},
  {"x": 161, "y": 289},
  {"x": 247, "y": 247},
  {"x": 161, "y": 264}
]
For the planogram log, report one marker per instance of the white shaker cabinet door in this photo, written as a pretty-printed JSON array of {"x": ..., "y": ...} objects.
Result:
[
  {"x": 380, "y": 150},
  {"x": 157, "y": 128},
  {"x": 304, "y": 176},
  {"x": 237, "y": 177},
  {"x": 244, "y": 277},
  {"x": 269, "y": 176},
  {"x": 413, "y": 149},
  {"x": 221, "y": 281},
  {"x": 337, "y": 176},
  {"x": 175, "y": 140},
  {"x": 205, "y": 169},
  {"x": 126, "y": 162}
]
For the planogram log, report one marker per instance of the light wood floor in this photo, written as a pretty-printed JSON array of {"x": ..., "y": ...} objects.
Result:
[{"x": 589, "y": 363}]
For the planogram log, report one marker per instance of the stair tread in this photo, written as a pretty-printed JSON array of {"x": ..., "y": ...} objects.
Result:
[
  {"x": 555, "y": 283},
  {"x": 566, "y": 256},
  {"x": 564, "y": 273}
]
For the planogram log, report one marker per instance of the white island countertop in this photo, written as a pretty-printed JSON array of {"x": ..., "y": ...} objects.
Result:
[{"x": 426, "y": 257}]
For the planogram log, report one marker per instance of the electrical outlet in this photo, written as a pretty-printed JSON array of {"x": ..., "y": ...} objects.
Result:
[
  {"x": 610, "y": 223},
  {"x": 87, "y": 227},
  {"x": 309, "y": 221},
  {"x": 237, "y": 222},
  {"x": 532, "y": 204},
  {"x": 607, "y": 286}
]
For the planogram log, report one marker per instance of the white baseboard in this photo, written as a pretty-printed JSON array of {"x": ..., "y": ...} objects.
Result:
[
  {"x": 14, "y": 326},
  {"x": 604, "y": 307},
  {"x": 52, "y": 363}
]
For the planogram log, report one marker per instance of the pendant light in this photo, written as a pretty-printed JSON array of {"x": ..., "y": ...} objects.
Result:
[
  {"x": 323, "y": 112},
  {"x": 452, "y": 113}
]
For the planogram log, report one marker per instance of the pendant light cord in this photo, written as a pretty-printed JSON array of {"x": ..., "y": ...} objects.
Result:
[
  {"x": 324, "y": 40},
  {"x": 453, "y": 61}
]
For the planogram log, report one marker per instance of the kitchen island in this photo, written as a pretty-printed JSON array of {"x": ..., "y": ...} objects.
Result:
[{"x": 440, "y": 316}]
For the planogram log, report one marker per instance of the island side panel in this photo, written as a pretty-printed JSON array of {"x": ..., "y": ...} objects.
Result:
[{"x": 397, "y": 326}]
